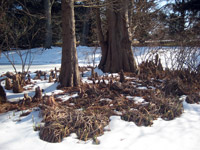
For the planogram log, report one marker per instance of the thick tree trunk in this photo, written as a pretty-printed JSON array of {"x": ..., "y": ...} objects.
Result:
[
  {"x": 48, "y": 36},
  {"x": 118, "y": 54},
  {"x": 69, "y": 75},
  {"x": 103, "y": 42}
]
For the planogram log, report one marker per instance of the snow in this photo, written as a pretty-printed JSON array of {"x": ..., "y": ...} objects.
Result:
[
  {"x": 49, "y": 88},
  {"x": 49, "y": 59},
  {"x": 106, "y": 99},
  {"x": 169, "y": 55},
  {"x": 16, "y": 133},
  {"x": 179, "y": 134},
  {"x": 142, "y": 88},
  {"x": 136, "y": 99},
  {"x": 67, "y": 97}
]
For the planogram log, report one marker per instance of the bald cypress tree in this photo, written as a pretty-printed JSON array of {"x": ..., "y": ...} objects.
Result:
[
  {"x": 117, "y": 54},
  {"x": 69, "y": 75}
]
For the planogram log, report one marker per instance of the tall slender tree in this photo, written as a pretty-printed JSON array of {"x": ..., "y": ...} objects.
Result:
[
  {"x": 69, "y": 75},
  {"x": 48, "y": 36}
]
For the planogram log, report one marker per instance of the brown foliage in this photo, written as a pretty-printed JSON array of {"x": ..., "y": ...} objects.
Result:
[
  {"x": 62, "y": 121},
  {"x": 5, "y": 107},
  {"x": 193, "y": 98},
  {"x": 173, "y": 87}
]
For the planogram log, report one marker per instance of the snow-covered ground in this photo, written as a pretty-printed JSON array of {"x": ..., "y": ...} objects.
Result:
[
  {"x": 49, "y": 59},
  {"x": 180, "y": 134},
  {"x": 16, "y": 133}
]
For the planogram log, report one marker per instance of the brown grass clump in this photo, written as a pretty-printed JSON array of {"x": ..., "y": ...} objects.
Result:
[
  {"x": 167, "y": 108},
  {"x": 173, "y": 87},
  {"x": 140, "y": 119},
  {"x": 193, "y": 98},
  {"x": 62, "y": 121}
]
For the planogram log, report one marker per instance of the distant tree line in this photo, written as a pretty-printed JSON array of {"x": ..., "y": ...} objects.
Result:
[{"x": 36, "y": 23}]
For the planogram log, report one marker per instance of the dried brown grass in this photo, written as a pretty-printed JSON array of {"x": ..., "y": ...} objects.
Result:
[{"x": 62, "y": 121}]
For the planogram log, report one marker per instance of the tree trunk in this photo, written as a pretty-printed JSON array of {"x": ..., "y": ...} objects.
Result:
[
  {"x": 69, "y": 75},
  {"x": 48, "y": 36},
  {"x": 118, "y": 54},
  {"x": 103, "y": 42}
]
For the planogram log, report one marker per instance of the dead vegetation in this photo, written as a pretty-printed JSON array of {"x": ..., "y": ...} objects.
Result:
[
  {"x": 61, "y": 121},
  {"x": 88, "y": 113}
]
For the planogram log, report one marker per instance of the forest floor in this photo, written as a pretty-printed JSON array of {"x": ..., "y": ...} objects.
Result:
[{"x": 156, "y": 109}]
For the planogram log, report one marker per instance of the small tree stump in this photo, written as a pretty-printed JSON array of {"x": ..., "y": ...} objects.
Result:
[
  {"x": 38, "y": 94},
  {"x": 96, "y": 76},
  {"x": 27, "y": 99},
  {"x": 160, "y": 67},
  {"x": 49, "y": 100},
  {"x": 39, "y": 74},
  {"x": 52, "y": 74},
  {"x": 92, "y": 73},
  {"x": 42, "y": 73},
  {"x": 55, "y": 75},
  {"x": 28, "y": 81},
  {"x": 9, "y": 74},
  {"x": 17, "y": 84},
  {"x": 9, "y": 84},
  {"x": 117, "y": 86},
  {"x": 29, "y": 77},
  {"x": 122, "y": 77},
  {"x": 156, "y": 59},
  {"x": 45, "y": 76},
  {"x": 50, "y": 78},
  {"x": 2, "y": 95}
]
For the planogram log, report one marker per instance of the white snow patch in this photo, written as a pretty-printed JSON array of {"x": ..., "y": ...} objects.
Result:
[
  {"x": 106, "y": 99},
  {"x": 136, "y": 99},
  {"x": 67, "y": 97},
  {"x": 142, "y": 88},
  {"x": 117, "y": 112}
]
